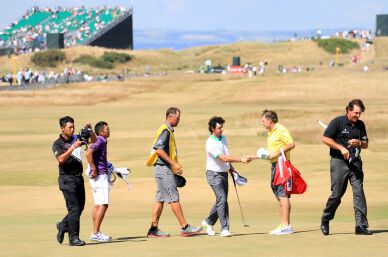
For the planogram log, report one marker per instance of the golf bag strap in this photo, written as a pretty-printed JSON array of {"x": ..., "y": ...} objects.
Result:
[{"x": 283, "y": 155}]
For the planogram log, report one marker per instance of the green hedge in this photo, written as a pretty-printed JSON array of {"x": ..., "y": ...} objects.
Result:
[
  {"x": 106, "y": 61},
  {"x": 113, "y": 57},
  {"x": 330, "y": 45},
  {"x": 94, "y": 62},
  {"x": 49, "y": 58}
]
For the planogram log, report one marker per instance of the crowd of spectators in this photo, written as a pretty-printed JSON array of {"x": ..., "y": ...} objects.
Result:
[
  {"x": 26, "y": 77},
  {"x": 77, "y": 24},
  {"x": 355, "y": 34}
]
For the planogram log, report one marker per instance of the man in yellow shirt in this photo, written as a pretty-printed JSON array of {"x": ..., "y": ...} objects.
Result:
[{"x": 278, "y": 137}]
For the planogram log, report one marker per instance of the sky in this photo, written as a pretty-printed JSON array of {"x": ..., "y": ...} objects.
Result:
[{"x": 246, "y": 15}]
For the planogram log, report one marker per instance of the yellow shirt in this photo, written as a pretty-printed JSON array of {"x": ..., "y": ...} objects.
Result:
[{"x": 278, "y": 137}]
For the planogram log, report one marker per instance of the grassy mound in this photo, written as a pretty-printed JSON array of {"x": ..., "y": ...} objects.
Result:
[
  {"x": 106, "y": 61},
  {"x": 49, "y": 58},
  {"x": 330, "y": 45}
]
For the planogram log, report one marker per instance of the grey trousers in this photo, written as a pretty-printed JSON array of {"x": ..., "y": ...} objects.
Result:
[
  {"x": 220, "y": 210},
  {"x": 340, "y": 173}
]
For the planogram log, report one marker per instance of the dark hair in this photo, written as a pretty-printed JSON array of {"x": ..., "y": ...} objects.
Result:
[
  {"x": 213, "y": 122},
  {"x": 172, "y": 110},
  {"x": 270, "y": 115},
  {"x": 64, "y": 120},
  {"x": 354, "y": 102},
  {"x": 99, "y": 126}
]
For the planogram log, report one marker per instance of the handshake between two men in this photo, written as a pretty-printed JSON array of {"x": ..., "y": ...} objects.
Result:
[{"x": 262, "y": 154}]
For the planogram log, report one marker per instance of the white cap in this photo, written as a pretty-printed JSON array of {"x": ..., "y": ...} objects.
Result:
[{"x": 262, "y": 153}]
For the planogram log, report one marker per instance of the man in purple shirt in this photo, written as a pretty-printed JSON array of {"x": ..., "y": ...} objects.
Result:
[{"x": 99, "y": 179}]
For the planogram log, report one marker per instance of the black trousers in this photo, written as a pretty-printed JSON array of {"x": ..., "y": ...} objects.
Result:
[
  {"x": 341, "y": 172},
  {"x": 73, "y": 190}
]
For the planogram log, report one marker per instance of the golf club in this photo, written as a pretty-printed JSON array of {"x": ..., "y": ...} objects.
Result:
[
  {"x": 322, "y": 124},
  {"x": 238, "y": 199}
]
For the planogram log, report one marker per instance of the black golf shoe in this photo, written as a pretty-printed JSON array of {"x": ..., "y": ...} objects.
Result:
[
  {"x": 361, "y": 230},
  {"x": 325, "y": 228},
  {"x": 61, "y": 233},
  {"x": 76, "y": 242}
]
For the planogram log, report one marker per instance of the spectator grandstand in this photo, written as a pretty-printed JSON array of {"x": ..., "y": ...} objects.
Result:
[{"x": 80, "y": 25}]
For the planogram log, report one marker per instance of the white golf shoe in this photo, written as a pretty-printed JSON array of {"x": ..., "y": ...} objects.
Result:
[
  {"x": 100, "y": 237},
  {"x": 209, "y": 228},
  {"x": 225, "y": 233},
  {"x": 276, "y": 230},
  {"x": 282, "y": 230}
]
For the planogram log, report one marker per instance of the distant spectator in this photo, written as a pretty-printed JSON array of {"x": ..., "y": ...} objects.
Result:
[
  {"x": 254, "y": 69},
  {"x": 66, "y": 74},
  {"x": 27, "y": 76},
  {"x": 19, "y": 77},
  {"x": 261, "y": 69}
]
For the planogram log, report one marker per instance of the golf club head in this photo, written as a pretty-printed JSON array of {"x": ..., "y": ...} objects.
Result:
[
  {"x": 238, "y": 179},
  {"x": 246, "y": 225}
]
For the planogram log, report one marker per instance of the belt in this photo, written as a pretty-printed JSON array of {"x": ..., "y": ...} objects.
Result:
[
  {"x": 75, "y": 175},
  {"x": 159, "y": 164}
]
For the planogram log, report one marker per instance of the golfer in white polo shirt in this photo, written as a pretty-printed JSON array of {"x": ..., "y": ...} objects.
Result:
[{"x": 218, "y": 164}]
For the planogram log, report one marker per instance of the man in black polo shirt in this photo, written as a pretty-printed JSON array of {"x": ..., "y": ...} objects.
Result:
[
  {"x": 346, "y": 136},
  {"x": 67, "y": 150}
]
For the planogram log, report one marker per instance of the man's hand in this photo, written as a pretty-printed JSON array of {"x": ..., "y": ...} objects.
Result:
[
  {"x": 354, "y": 143},
  {"x": 345, "y": 153},
  {"x": 251, "y": 157},
  {"x": 76, "y": 144},
  {"x": 177, "y": 168},
  {"x": 93, "y": 137},
  {"x": 246, "y": 159},
  {"x": 93, "y": 174}
]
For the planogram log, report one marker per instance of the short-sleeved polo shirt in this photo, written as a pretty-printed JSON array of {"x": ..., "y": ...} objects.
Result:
[
  {"x": 100, "y": 155},
  {"x": 73, "y": 165},
  {"x": 278, "y": 137},
  {"x": 341, "y": 130},
  {"x": 214, "y": 148}
]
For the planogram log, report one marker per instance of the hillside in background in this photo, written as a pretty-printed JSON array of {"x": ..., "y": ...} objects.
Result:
[{"x": 298, "y": 53}]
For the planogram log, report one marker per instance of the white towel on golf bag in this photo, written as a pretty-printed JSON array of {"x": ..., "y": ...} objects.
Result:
[
  {"x": 77, "y": 154},
  {"x": 123, "y": 171}
]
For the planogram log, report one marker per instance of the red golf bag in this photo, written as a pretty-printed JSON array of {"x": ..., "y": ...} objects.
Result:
[{"x": 288, "y": 176}]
